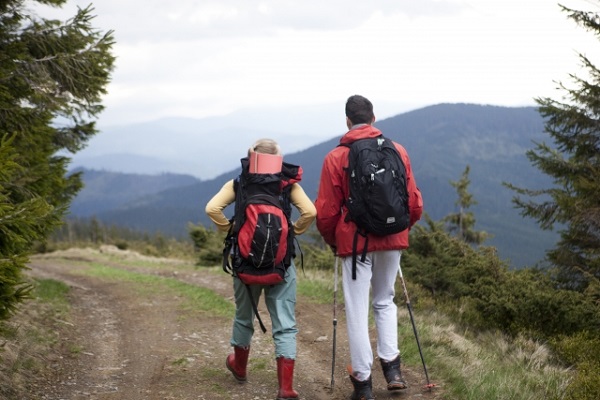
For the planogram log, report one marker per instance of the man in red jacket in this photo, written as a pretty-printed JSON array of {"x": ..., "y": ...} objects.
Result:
[{"x": 380, "y": 267}]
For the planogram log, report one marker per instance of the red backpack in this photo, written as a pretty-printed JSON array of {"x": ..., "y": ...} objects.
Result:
[{"x": 260, "y": 244}]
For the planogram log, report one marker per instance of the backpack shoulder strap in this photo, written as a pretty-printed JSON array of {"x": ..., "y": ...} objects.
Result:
[
  {"x": 389, "y": 143},
  {"x": 356, "y": 147},
  {"x": 286, "y": 206},
  {"x": 240, "y": 203},
  {"x": 236, "y": 222}
]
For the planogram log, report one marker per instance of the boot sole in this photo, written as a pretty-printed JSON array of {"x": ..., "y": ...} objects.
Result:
[
  {"x": 288, "y": 398},
  {"x": 397, "y": 386},
  {"x": 238, "y": 378}
]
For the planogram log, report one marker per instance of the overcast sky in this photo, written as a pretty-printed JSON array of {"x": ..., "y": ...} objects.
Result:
[{"x": 212, "y": 57}]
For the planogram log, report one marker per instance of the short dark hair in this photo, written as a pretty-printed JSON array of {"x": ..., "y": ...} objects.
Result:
[{"x": 359, "y": 110}]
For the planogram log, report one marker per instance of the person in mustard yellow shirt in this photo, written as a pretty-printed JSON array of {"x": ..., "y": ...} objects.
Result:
[{"x": 280, "y": 299}]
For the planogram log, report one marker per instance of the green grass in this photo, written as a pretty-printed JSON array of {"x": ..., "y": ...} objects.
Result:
[
  {"x": 183, "y": 361},
  {"x": 481, "y": 366},
  {"x": 213, "y": 386},
  {"x": 53, "y": 292},
  {"x": 211, "y": 373},
  {"x": 196, "y": 298},
  {"x": 260, "y": 364},
  {"x": 465, "y": 365},
  {"x": 318, "y": 286},
  {"x": 27, "y": 337},
  {"x": 149, "y": 262},
  {"x": 50, "y": 305}
]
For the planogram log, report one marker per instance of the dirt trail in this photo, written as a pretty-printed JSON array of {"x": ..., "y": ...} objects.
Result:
[{"x": 122, "y": 343}]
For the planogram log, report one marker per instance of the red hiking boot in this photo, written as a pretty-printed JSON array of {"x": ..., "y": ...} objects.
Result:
[
  {"x": 285, "y": 376},
  {"x": 237, "y": 362}
]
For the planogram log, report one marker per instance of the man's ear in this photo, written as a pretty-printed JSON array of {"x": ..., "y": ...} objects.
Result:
[
  {"x": 348, "y": 123},
  {"x": 373, "y": 121}
]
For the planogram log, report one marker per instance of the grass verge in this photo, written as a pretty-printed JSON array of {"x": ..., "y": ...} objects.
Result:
[
  {"x": 28, "y": 337},
  {"x": 466, "y": 366},
  {"x": 196, "y": 298},
  {"x": 481, "y": 366}
]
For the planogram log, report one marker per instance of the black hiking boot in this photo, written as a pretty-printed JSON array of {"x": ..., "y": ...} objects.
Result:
[
  {"x": 362, "y": 389},
  {"x": 393, "y": 376}
]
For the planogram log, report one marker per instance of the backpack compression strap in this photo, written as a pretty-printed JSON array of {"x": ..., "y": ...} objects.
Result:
[
  {"x": 363, "y": 256},
  {"x": 227, "y": 246},
  {"x": 235, "y": 223},
  {"x": 255, "y": 308}
]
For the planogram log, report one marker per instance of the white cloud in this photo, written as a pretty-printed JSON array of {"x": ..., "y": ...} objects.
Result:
[{"x": 191, "y": 58}]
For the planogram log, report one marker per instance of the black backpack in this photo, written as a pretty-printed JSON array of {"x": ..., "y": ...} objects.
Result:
[
  {"x": 259, "y": 246},
  {"x": 378, "y": 196}
]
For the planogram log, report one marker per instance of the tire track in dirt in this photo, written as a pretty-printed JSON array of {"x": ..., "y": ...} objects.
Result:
[{"x": 135, "y": 347}]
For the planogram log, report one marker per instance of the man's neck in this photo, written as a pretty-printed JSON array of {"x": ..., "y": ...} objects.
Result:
[{"x": 357, "y": 126}]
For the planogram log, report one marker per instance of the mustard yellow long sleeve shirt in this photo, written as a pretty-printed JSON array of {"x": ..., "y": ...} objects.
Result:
[{"x": 226, "y": 196}]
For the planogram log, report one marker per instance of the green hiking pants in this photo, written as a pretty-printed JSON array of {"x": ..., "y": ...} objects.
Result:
[{"x": 281, "y": 305}]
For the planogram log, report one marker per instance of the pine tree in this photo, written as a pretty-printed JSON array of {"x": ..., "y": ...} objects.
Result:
[
  {"x": 52, "y": 77},
  {"x": 573, "y": 204},
  {"x": 463, "y": 222}
]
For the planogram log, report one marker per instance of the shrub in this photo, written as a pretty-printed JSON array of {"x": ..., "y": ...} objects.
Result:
[
  {"x": 475, "y": 285},
  {"x": 208, "y": 245},
  {"x": 581, "y": 350},
  {"x": 315, "y": 256}
]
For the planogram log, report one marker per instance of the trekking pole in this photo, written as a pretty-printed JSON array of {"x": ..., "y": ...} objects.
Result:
[
  {"x": 412, "y": 320},
  {"x": 335, "y": 285}
]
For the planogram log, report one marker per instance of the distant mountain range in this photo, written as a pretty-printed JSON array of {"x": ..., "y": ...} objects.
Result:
[
  {"x": 441, "y": 141},
  {"x": 206, "y": 147}
]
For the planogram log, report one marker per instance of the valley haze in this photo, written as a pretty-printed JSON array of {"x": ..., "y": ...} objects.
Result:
[
  {"x": 133, "y": 173},
  {"x": 208, "y": 147}
]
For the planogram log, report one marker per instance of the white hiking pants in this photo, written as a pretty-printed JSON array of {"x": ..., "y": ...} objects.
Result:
[{"x": 378, "y": 272}]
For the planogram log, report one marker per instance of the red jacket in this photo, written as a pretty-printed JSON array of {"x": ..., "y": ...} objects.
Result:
[{"x": 333, "y": 190}]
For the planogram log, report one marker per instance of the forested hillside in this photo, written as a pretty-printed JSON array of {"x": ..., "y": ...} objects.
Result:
[
  {"x": 106, "y": 191},
  {"x": 441, "y": 140}
]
